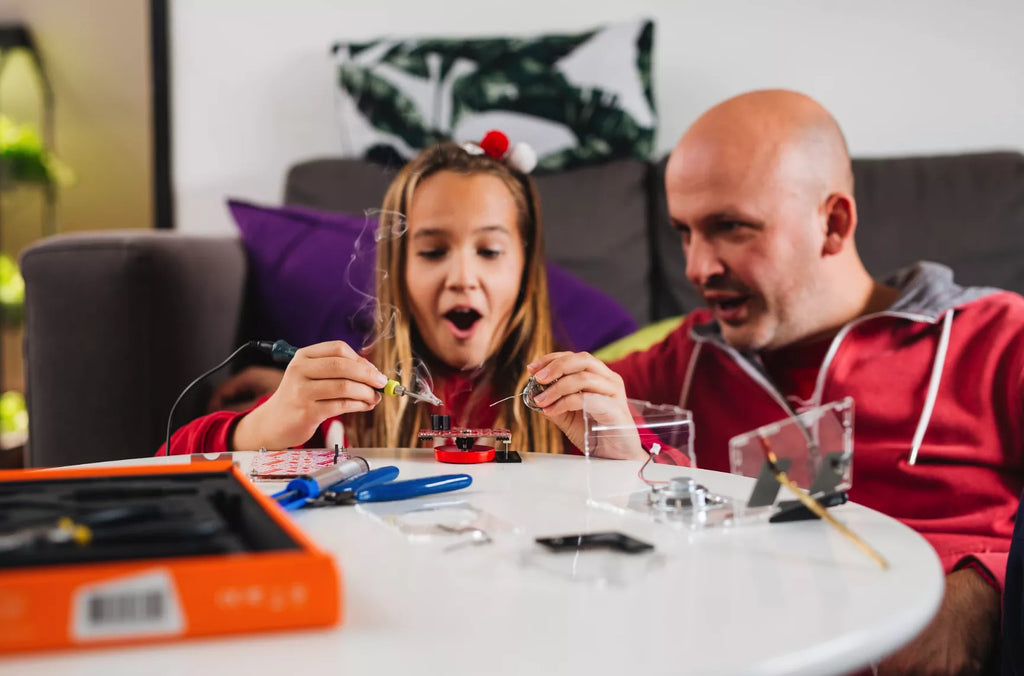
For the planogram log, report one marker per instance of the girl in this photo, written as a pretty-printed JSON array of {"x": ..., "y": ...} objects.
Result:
[{"x": 461, "y": 295}]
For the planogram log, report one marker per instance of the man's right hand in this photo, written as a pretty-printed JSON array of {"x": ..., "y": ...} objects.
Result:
[
  {"x": 962, "y": 636},
  {"x": 322, "y": 381},
  {"x": 572, "y": 378}
]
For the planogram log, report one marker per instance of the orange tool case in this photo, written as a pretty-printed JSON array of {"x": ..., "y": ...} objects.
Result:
[{"x": 186, "y": 550}]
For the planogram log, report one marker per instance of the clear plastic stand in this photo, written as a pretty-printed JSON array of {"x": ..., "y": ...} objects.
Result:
[
  {"x": 815, "y": 448},
  {"x": 451, "y": 520},
  {"x": 656, "y": 428},
  {"x": 610, "y": 431}
]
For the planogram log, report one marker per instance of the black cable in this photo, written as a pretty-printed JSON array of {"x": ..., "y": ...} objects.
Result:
[{"x": 170, "y": 416}]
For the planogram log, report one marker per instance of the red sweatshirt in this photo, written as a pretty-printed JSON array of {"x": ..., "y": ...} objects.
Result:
[{"x": 936, "y": 382}]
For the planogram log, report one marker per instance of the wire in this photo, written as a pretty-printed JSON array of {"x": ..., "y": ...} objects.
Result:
[
  {"x": 655, "y": 449},
  {"x": 170, "y": 416}
]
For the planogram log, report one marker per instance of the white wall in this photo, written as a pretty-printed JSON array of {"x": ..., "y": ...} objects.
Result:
[{"x": 253, "y": 86}]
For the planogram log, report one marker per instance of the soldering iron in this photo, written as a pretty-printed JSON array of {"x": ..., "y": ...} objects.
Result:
[{"x": 282, "y": 352}]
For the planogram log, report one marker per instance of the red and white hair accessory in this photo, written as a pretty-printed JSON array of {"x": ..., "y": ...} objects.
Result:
[{"x": 496, "y": 144}]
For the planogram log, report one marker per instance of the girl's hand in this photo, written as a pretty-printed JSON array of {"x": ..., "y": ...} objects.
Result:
[
  {"x": 241, "y": 391},
  {"x": 571, "y": 377},
  {"x": 322, "y": 381}
]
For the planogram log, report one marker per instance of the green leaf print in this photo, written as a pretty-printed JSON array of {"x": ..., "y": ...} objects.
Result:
[
  {"x": 512, "y": 75},
  {"x": 387, "y": 108}
]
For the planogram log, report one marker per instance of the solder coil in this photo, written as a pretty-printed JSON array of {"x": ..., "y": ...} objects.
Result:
[{"x": 532, "y": 389}]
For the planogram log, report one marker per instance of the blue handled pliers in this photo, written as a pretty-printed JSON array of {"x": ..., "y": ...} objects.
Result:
[{"x": 377, "y": 486}]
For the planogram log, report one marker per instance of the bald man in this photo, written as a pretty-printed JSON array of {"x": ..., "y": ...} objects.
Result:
[{"x": 760, "y": 189}]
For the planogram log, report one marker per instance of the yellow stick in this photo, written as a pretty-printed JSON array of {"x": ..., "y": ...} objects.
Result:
[{"x": 817, "y": 509}]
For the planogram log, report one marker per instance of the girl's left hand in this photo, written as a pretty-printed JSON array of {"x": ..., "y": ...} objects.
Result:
[{"x": 571, "y": 377}]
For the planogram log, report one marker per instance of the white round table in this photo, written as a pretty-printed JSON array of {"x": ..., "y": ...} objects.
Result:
[{"x": 793, "y": 598}]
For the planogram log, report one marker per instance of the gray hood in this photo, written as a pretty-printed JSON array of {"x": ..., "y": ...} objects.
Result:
[{"x": 928, "y": 289}]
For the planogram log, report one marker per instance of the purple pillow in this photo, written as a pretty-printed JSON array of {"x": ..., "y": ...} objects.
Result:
[{"x": 311, "y": 280}]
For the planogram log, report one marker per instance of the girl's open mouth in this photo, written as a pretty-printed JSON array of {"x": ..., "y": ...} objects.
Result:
[{"x": 462, "y": 320}]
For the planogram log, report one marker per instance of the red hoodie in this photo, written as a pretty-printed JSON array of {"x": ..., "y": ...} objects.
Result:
[{"x": 936, "y": 381}]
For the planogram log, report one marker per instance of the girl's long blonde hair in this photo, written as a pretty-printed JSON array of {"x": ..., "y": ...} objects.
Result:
[{"x": 396, "y": 421}]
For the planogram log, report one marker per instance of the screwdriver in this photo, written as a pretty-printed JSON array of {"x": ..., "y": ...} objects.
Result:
[{"x": 282, "y": 352}]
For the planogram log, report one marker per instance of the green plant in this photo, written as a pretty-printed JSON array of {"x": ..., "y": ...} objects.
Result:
[
  {"x": 13, "y": 414},
  {"x": 24, "y": 157},
  {"x": 12, "y": 292}
]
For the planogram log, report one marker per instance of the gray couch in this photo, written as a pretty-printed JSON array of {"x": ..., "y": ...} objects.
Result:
[{"x": 118, "y": 323}]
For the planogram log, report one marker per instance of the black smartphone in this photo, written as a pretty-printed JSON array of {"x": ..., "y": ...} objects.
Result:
[{"x": 613, "y": 540}]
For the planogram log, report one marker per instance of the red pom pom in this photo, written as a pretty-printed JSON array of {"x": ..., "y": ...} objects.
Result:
[{"x": 495, "y": 144}]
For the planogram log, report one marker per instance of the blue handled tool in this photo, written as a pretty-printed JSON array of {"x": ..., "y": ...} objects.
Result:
[
  {"x": 400, "y": 490},
  {"x": 371, "y": 478},
  {"x": 299, "y": 490},
  {"x": 395, "y": 490}
]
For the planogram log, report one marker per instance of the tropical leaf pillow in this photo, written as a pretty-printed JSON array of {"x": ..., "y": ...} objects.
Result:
[{"x": 577, "y": 99}]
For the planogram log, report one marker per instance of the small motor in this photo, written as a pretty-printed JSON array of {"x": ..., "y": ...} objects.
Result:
[{"x": 681, "y": 494}]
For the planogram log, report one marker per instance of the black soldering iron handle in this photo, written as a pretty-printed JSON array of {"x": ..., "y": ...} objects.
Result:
[{"x": 279, "y": 350}]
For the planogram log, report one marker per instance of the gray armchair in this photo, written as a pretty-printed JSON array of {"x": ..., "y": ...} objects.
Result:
[{"x": 116, "y": 325}]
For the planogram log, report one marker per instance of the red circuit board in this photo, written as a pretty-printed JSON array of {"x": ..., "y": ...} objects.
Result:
[
  {"x": 294, "y": 462},
  {"x": 497, "y": 433}
]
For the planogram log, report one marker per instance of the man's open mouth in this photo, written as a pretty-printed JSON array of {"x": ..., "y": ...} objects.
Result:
[
  {"x": 728, "y": 303},
  {"x": 463, "y": 318}
]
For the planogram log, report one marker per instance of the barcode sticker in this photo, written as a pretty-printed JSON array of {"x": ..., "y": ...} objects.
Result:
[{"x": 143, "y": 604}]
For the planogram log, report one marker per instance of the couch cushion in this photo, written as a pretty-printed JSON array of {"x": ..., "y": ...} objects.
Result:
[
  {"x": 595, "y": 218},
  {"x": 671, "y": 293},
  {"x": 966, "y": 211},
  {"x": 311, "y": 271}
]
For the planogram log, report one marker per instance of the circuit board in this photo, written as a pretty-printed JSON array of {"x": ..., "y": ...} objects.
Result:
[{"x": 469, "y": 433}]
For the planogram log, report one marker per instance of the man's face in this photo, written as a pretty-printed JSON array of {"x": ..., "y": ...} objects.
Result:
[{"x": 752, "y": 236}]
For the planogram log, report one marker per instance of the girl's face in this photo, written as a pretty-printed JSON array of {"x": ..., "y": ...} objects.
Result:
[{"x": 464, "y": 263}]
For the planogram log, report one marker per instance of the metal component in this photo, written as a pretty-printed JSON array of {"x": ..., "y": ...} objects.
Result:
[
  {"x": 532, "y": 389},
  {"x": 334, "y": 474},
  {"x": 332, "y": 498},
  {"x": 478, "y": 536},
  {"x": 682, "y": 493},
  {"x": 426, "y": 398}
]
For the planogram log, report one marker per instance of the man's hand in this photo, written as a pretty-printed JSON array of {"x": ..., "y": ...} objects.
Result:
[
  {"x": 570, "y": 378},
  {"x": 960, "y": 639}
]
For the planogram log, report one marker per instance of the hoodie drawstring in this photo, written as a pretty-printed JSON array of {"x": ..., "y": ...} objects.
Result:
[
  {"x": 685, "y": 394},
  {"x": 933, "y": 386}
]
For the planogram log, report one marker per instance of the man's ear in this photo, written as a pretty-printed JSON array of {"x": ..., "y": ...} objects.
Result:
[{"x": 840, "y": 222}]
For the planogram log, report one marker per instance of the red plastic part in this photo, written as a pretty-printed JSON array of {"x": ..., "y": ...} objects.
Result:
[
  {"x": 453, "y": 454},
  {"x": 495, "y": 144}
]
